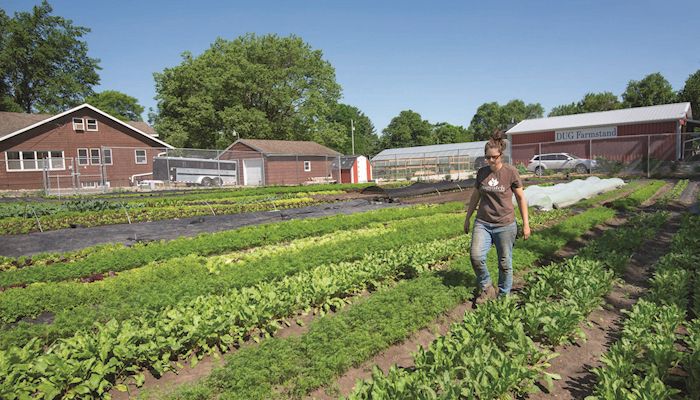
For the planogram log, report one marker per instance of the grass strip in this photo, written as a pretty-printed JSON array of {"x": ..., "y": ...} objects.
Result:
[
  {"x": 121, "y": 258},
  {"x": 639, "y": 196},
  {"x": 333, "y": 344}
]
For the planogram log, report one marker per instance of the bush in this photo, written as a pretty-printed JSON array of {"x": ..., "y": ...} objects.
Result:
[
  {"x": 522, "y": 170},
  {"x": 612, "y": 167}
]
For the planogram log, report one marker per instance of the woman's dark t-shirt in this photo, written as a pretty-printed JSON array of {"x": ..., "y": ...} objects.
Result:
[{"x": 496, "y": 190}]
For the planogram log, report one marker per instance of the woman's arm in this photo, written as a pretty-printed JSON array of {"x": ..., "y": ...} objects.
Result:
[
  {"x": 522, "y": 205},
  {"x": 473, "y": 201}
]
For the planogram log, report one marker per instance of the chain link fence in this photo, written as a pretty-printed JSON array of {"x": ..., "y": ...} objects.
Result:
[
  {"x": 629, "y": 155},
  {"x": 129, "y": 168}
]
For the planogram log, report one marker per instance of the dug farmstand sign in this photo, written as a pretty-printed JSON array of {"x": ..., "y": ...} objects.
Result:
[{"x": 569, "y": 135}]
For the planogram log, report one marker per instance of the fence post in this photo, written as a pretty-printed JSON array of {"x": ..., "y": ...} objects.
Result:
[{"x": 648, "y": 156}]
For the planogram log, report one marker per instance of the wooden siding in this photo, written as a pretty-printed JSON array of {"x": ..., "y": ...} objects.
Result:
[{"x": 58, "y": 135}]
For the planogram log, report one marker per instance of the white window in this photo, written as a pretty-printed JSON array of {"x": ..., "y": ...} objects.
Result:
[
  {"x": 34, "y": 160},
  {"x": 91, "y": 124},
  {"x": 83, "y": 157},
  {"x": 95, "y": 158},
  {"x": 307, "y": 166},
  {"x": 141, "y": 157},
  {"x": 107, "y": 156},
  {"x": 78, "y": 124}
]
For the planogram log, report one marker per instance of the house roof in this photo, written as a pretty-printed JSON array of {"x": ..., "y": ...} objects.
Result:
[
  {"x": 13, "y": 124},
  {"x": 287, "y": 147},
  {"x": 436, "y": 150},
  {"x": 663, "y": 112},
  {"x": 346, "y": 162}
]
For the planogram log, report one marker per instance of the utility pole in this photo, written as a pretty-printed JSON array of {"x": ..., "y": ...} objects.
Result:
[{"x": 352, "y": 135}]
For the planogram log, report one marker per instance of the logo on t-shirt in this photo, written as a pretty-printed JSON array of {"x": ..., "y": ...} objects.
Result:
[{"x": 493, "y": 186}]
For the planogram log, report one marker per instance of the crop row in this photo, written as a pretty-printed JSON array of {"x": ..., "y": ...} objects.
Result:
[
  {"x": 607, "y": 196},
  {"x": 62, "y": 266},
  {"x": 290, "y": 368},
  {"x": 76, "y": 305},
  {"x": 159, "y": 284},
  {"x": 89, "y": 362},
  {"x": 18, "y": 225},
  {"x": 639, "y": 364},
  {"x": 493, "y": 353},
  {"x": 674, "y": 193},
  {"x": 639, "y": 196}
]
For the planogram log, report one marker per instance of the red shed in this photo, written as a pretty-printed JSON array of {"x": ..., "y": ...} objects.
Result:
[
  {"x": 281, "y": 162},
  {"x": 623, "y": 135},
  {"x": 81, "y": 147}
]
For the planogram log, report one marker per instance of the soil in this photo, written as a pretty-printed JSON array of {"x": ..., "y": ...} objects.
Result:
[{"x": 74, "y": 239}]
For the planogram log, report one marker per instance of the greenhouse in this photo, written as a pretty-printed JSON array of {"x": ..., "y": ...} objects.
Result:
[{"x": 434, "y": 162}]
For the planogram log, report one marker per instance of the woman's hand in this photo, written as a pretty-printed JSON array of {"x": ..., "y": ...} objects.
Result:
[
  {"x": 526, "y": 232},
  {"x": 466, "y": 225}
]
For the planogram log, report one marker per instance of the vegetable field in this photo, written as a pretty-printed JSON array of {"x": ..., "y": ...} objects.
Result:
[{"x": 294, "y": 305}]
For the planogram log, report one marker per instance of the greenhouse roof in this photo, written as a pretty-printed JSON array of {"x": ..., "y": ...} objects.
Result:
[{"x": 436, "y": 150}]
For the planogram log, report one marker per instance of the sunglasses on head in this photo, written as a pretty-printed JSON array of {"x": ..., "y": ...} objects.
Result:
[{"x": 492, "y": 157}]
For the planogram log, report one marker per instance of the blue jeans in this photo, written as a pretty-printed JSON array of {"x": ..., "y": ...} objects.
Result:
[{"x": 485, "y": 234}]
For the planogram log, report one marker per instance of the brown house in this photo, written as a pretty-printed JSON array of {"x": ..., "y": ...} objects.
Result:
[
  {"x": 281, "y": 162},
  {"x": 81, "y": 147}
]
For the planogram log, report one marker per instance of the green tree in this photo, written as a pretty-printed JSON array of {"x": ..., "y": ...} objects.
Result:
[
  {"x": 366, "y": 139},
  {"x": 492, "y": 116},
  {"x": 44, "y": 65},
  {"x": 591, "y": 102},
  {"x": 652, "y": 90},
  {"x": 117, "y": 104},
  {"x": 265, "y": 87},
  {"x": 407, "y": 129},
  {"x": 691, "y": 92},
  {"x": 565, "y": 109},
  {"x": 444, "y": 132}
]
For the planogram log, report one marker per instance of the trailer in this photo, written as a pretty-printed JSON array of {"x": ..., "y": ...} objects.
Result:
[{"x": 196, "y": 171}]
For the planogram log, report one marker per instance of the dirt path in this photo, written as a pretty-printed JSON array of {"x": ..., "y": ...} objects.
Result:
[{"x": 602, "y": 328}]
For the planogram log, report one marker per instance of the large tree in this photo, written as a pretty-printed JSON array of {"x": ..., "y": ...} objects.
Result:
[
  {"x": 652, "y": 90},
  {"x": 691, "y": 93},
  {"x": 407, "y": 129},
  {"x": 44, "y": 65},
  {"x": 366, "y": 139},
  {"x": 118, "y": 104},
  {"x": 591, "y": 102},
  {"x": 265, "y": 87},
  {"x": 492, "y": 116},
  {"x": 444, "y": 132}
]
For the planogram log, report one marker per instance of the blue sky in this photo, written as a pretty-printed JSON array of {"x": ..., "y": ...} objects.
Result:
[{"x": 441, "y": 59}]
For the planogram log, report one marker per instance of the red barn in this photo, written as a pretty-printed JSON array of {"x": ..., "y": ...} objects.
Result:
[
  {"x": 81, "y": 147},
  {"x": 626, "y": 135}
]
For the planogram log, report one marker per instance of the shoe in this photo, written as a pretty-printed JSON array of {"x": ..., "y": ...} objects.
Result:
[{"x": 487, "y": 293}]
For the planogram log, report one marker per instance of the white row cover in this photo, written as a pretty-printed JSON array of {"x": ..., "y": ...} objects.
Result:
[{"x": 565, "y": 194}]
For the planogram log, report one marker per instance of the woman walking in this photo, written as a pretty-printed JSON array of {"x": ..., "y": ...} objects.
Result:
[{"x": 495, "y": 219}]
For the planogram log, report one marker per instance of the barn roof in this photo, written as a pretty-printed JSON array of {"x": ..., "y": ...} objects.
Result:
[
  {"x": 663, "y": 112},
  {"x": 287, "y": 147},
  {"x": 13, "y": 124}
]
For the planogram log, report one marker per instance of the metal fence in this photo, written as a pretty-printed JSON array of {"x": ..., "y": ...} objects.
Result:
[
  {"x": 633, "y": 154},
  {"x": 429, "y": 166},
  {"x": 129, "y": 168}
]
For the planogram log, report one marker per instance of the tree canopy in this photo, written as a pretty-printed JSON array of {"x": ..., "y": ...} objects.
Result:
[
  {"x": 447, "y": 133},
  {"x": 591, "y": 102},
  {"x": 408, "y": 129},
  {"x": 654, "y": 89},
  {"x": 691, "y": 93},
  {"x": 117, "y": 104},
  {"x": 492, "y": 116},
  {"x": 366, "y": 140},
  {"x": 44, "y": 65},
  {"x": 265, "y": 87}
]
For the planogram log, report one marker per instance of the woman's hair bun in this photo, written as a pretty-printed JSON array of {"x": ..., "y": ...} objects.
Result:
[{"x": 497, "y": 141}]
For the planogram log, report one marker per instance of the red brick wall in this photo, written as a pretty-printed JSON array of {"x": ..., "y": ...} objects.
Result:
[{"x": 58, "y": 135}]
